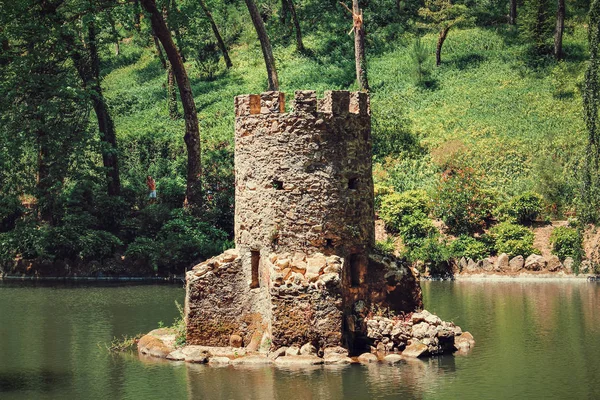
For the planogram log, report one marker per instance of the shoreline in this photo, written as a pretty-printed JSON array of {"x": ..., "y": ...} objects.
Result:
[
  {"x": 29, "y": 278},
  {"x": 524, "y": 277}
]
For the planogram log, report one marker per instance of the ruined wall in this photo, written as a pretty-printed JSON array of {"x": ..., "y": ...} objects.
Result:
[
  {"x": 304, "y": 178},
  {"x": 303, "y": 269}
]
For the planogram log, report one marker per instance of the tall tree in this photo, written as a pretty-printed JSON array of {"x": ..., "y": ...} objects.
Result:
[
  {"x": 360, "y": 57},
  {"x": 265, "y": 45},
  {"x": 217, "y": 34},
  {"x": 87, "y": 63},
  {"x": 537, "y": 24},
  {"x": 443, "y": 15},
  {"x": 159, "y": 52},
  {"x": 560, "y": 27},
  {"x": 193, "y": 195},
  {"x": 512, "y": 17},
  {"x": 299, "y": 43},
  {"x": 590, "y": 196}
]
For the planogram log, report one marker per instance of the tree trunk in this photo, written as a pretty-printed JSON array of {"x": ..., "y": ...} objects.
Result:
[
  {"x": 171, "y": 95},
  {"x": 512, "y": 18},
  {"x": 560, "y": 27},
  {"x": 105, "y": 122},
  {"x": 284, "y": 12},
  {"x": 193, "y": 196},
  {"x": 42, "y": 181},
  {"x": 115, "y": 33},
  {"x": 265, "y": 44},
  {"x": 359, "y": 48},
  {"x": 215, "y": 30},
  {"x": 440, "y": 43},
  {"x": 159, "y": 52},
  {"x": 136, "y": 16},
  {"x": 299, "y": 43},
  {"x": 174, "y": 26}
]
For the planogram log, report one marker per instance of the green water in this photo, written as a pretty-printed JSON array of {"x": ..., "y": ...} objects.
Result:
[{"x": 534, "y": 340}]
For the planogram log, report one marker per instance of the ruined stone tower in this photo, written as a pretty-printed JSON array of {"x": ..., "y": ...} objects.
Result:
[{"x": 304, "y": 269}]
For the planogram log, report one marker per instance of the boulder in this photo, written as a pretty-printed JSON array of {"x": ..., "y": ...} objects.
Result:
[
  {"x": 219, "y": 360},
  {"x": 308, "y": 350},
  {"x": 392, "y": 358},
  {"x": 464, "y": 342},
  {"x": 154, "y": 346},
  {"x": 487, "y": 265},
  {"x": 195, "y": 354},
  {"x": 420, "y": 330},
  {"x": 298, "y": 360},
  {"x": 553, "y": 264},
  {"x": 235, "y": 341},
  {"x": 568, "y": 264},
  {"x": 335, "y": 358},
  {"x": 516, "y": 263},
  {"x": 503, "y": 262},
  {"x": 462, "y": 264},
  {"x": 433, "y": 320},
  {"x": 335, "y": 350},
  {"x": 292, "y": 351},
  {"x": 280, "y": 352},
  {"x": 367, "y": 358},
  {"x": 472, "y": 266},
  {"x": 585, "y": 267},
  {"x": 535, "y": 262},
  {"x": 252, "y": 360},
  {"x": 415, "y": 350},
  {"x": 420, "y": 316},
  {"x": 176, "y": 355}
]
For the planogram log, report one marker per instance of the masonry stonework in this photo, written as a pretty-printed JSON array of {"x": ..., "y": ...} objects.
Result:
[{"x": 304, "y": 269}]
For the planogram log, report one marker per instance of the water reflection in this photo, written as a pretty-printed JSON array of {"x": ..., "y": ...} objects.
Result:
[{"x": 534, "y": 340}]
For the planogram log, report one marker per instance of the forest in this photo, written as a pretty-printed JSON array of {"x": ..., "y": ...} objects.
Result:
[{"x": 484, "y": 121}]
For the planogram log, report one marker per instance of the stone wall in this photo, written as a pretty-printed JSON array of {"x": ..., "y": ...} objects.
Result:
[
  {"x": 304, "y": 178},
  {"x": 303, "y": 271}
]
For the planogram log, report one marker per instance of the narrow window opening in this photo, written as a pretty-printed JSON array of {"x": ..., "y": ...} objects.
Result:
[
  {"x": 353, "y": 183},
  {"x": 329, "y": 243},
  {"x": 277, "y": 185},
  {"x": 255, "y": 261},
  {"x": 354, "y": 270}
]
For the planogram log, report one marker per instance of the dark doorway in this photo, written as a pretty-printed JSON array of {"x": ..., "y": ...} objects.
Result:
[{"x": 255, "y": 261}]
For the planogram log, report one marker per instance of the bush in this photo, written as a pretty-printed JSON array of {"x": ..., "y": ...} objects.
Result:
[
  {"x": 97, "y": 245},
  {"x": 433, "y": 253},
  {"x": 171, "y": 191},
  {"x": 522, "y": 209},
  {"x": 10, "y": 210},
  {"x": 386, "y": 246},
  {"x": 145, "y": 251},
  {"x": 415, "y": 227},
  {"x": 395, "y": 206},
  {"x": 566, "y": 242},
  {"x": 462, "y": 203},
  {"x": 513, "y": 239},
  {"x": 469, "y": 247}
]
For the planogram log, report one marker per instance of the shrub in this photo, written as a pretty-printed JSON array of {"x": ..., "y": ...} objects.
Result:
[
  {"x": 513, "y": 239},
  {"x": 97, "y": 245},
  {"x": 434, "y": 253},
  {"x": 171, "y": 191},
  {"x": 10, "y": 210},
  {"x": 386, "y": 246},
  {"x": 523, "y": 209},
  {"x": 461, "y": 203},
  {"x": 469, "y": 247},
  {"x": 380, "y": 192},
  {"x": 395, "y": 206},
  {"x": 566, "y": 242},
  {"x": 143, "y": 250},
  {"x": 415, "y": 227}
]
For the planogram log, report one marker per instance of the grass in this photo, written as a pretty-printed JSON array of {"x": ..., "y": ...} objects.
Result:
[{"x": 491, "y": 106}]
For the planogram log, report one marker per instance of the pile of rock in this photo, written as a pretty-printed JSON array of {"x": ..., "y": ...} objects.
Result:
[
  {"x": 418, "y": 335},
  {"x": 534, "y": 263},
  {"x": 297, "y": 271}
]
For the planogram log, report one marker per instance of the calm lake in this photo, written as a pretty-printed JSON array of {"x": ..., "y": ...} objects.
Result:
[{"x": 534, "y": 340}]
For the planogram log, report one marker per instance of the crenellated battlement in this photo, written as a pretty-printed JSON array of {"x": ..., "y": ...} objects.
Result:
[{"x": 335, "y": 102}]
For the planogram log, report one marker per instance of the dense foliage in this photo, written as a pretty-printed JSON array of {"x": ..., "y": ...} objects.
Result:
[
  {"x": 567, "y": 242},
  {"x": 496, "y": 120}
]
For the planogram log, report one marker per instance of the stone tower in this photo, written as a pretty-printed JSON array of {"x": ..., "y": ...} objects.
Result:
[{"x": 304, "y": 269}]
